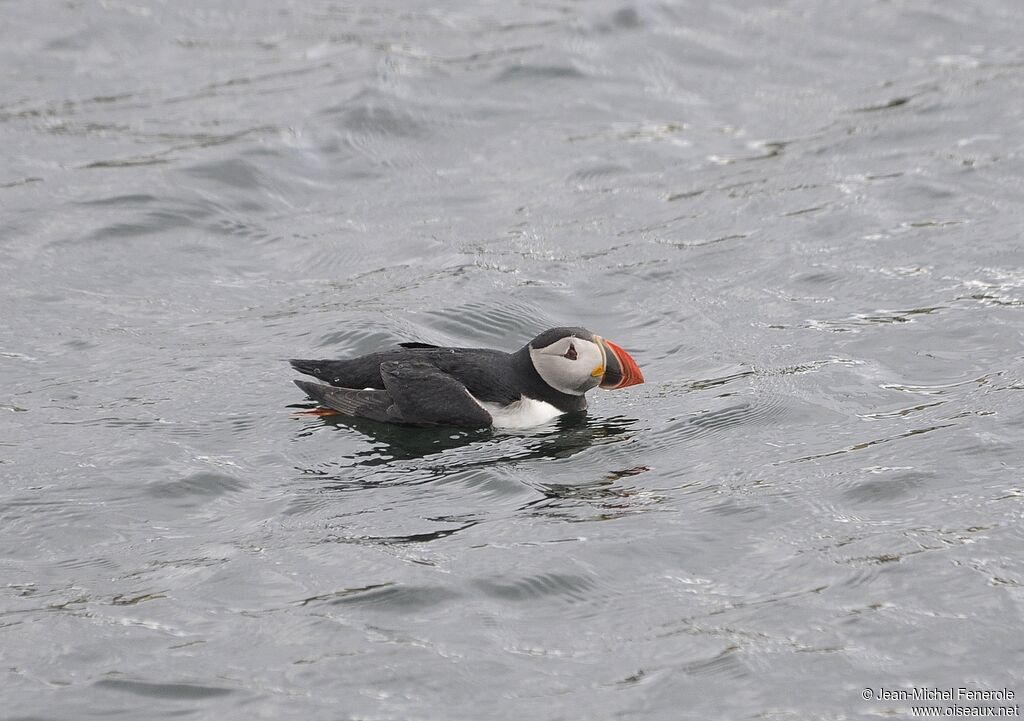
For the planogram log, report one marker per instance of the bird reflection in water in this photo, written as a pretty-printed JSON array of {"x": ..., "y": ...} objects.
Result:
[
  {"x": 408, "y": 456},
  {"x": 568, "y": 435}
]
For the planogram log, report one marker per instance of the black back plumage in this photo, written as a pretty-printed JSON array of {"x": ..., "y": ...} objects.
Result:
[
  {"x": 431, "y": 385},
  {"x": 485, "y": 373}
]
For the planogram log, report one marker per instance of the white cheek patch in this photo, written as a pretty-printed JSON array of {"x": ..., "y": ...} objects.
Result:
[
  {"x": 573, "y": 377},
  {"x": 554, "y": 371}
]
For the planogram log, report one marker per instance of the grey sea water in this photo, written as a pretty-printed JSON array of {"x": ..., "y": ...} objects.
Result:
[{"x": 802, "y": 218}]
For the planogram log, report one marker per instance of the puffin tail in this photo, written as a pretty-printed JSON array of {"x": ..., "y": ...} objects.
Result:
[
  {"x": 307, "y": 367},
  {"x": 372, "y": 404}
]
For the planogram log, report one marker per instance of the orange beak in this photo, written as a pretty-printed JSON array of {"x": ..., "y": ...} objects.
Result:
[{"x": 620, "y": 370}]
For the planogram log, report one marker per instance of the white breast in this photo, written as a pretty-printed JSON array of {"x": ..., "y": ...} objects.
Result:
[{"x": 523, "y": 413}]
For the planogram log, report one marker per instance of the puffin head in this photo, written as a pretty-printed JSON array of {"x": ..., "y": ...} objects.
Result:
[{"x": 574, "y": 360}]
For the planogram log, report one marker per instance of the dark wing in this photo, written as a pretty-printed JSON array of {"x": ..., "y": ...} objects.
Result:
[
  {"x": 350, "y": 401},
  {"x": 425, "y": 395},
  {"x": 361, "y": 372},
  {"x": 416, "y": 344},
  {"x": 416, "y": 393}
]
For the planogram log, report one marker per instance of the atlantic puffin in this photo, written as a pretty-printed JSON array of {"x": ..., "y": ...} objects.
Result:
[{"x": 426, "y": 385}]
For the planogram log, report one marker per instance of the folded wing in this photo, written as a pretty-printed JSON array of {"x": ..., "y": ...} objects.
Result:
[{"x": 415, "y": 392}]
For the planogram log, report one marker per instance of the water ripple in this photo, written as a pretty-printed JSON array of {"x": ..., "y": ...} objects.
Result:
[{"x": 163, "y": 690}]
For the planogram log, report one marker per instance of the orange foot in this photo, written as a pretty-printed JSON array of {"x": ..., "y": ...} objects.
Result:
[{"x": 319, "y": 412}]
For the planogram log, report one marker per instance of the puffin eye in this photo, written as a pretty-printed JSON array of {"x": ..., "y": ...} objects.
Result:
[{"x": 571, "y": 353}]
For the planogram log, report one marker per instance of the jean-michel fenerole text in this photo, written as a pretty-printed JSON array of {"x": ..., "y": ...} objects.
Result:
[{"x": 925, "y": 693}]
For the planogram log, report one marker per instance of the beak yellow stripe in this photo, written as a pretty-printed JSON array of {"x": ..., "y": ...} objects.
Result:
[{"x": 599, "y": 371}]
